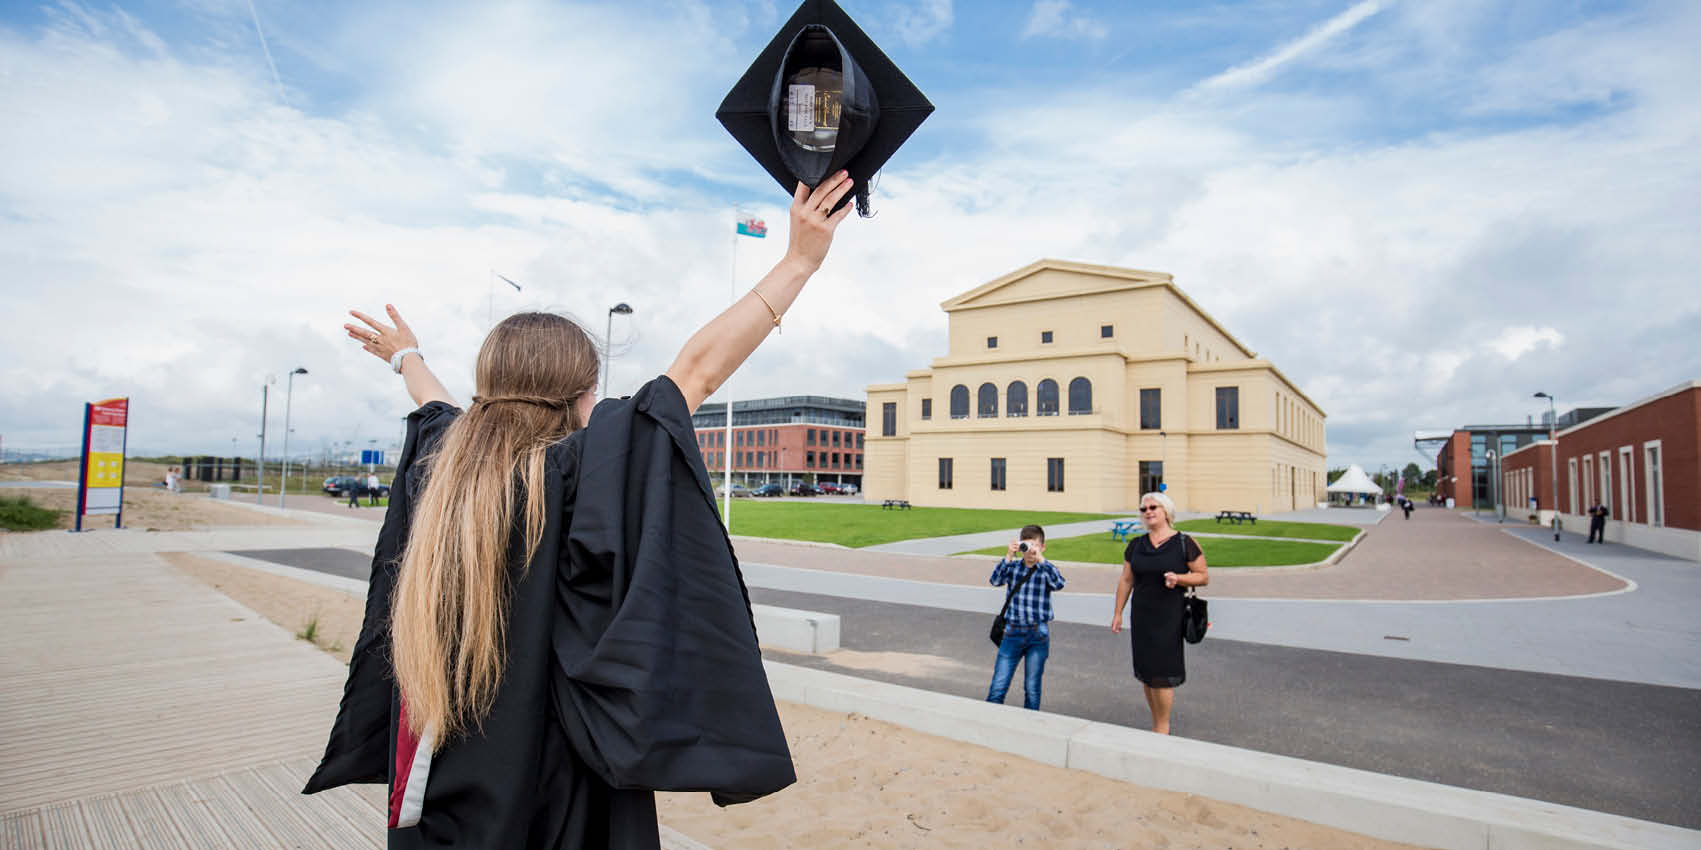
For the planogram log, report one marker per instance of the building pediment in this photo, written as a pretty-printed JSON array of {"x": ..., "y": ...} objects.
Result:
[{"x": 1047, "y": 279}]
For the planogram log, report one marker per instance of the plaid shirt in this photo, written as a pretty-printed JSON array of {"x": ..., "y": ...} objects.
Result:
[{"x": 1032, "y": 603}]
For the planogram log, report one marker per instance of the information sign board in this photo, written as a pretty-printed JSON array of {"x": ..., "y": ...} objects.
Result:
[{"x": 100, "y": 488}]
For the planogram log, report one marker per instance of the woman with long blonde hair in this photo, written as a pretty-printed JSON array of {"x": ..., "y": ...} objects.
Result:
[{"x": 555, "y": 625}]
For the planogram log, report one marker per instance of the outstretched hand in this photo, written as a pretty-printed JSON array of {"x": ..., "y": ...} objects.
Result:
[
  {"x": 379, "y": 339},
  {"x": 813, "y": 220}
]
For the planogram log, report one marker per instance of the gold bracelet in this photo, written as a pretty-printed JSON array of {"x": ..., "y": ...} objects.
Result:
[{"x": 770, "y": 307}]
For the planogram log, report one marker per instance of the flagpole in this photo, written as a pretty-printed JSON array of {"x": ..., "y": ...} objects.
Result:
[{"x": 732, "y": 293}]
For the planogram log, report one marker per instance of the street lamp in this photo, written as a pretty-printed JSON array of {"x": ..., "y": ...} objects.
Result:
[
  {"x": 289, "y": 396},
  {"x": 1553, "y": 437},
  {"x": 623, "y": 309},
  {"x": 260, "y": 464}
]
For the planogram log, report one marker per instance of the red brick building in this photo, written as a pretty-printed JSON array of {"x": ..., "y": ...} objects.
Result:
[
  {"x": 784, "y": 439},
  {"x": 1642, "y": 460}
]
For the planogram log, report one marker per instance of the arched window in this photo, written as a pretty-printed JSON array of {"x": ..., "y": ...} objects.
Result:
[
  {"x": 986, "y": 403},
  {"x": 1016, "y": 399},
  {"x": 1045, "y": 403},
  {"x": 1080, "y": 396},
  {"x": 959, "y": 402}
]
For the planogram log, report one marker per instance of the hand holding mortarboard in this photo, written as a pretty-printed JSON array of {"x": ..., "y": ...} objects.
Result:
[{"x": 822, "y": 98}]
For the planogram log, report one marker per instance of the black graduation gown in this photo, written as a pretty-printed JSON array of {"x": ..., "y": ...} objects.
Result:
[{"x": 632, "y": 666}]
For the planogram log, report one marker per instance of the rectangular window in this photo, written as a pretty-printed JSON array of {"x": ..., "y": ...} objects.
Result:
[
  {"x": 927, "y": 408},
  {"x": 992, "y": 342},
  {"x": 888, "y": 419},
  {"x": 1626, "y": 486},
  {"x": 1606, "y": 482},
  {"x": 1045, "y": 336},
  {"x": 1054, "y": 475},
  {"x": 1107, "y": 331},
  {"x": 836, "y": 434},
  {"x": 1588, "y": 483},
  {"x": 859, "y": 461},
  {"x": 1151, "y": 411},
  {"x": 809, "y": 438},
  {"x": 809, "y": 459},
  {"x": 859, "y": 439},
  {"x": 1151, "y": 475},
  {"x": 737, "y": 438},
  {"x": 835, "y": 460},
  {"x": 1653, "y": 484},
  {"x": 1228, "y": 407},
  {"x": 761, "y": 438},
  {"x": 944, "y": 473},
  {"x": 998, "y": 473}
]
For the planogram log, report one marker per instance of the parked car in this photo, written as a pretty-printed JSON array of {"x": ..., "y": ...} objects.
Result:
[
  {"x": 829, "y": 488},
  {"x": 739, "y": 491},
  {"x": 802, "y": 489},
  {"x": 847, "y": 489},
  {"x": 770, "y": 489},
  {"x": 339, "y": 485}
]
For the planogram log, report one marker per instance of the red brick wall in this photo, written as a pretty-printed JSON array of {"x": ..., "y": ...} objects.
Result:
[
  {"x": 1675, "y": 421},
  {"x": 787, "y": 448},
  {"x": 1454, "y": 460},
  {"x": 1539, "y": 458}
]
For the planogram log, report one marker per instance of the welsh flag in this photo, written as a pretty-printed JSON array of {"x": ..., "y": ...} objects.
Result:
[{"x": 752, "y": 226}]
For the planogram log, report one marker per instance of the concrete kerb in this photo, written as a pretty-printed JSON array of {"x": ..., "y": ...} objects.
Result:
[{"x": 1374, "y": 804}]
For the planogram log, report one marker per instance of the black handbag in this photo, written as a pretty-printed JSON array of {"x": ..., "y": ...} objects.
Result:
[
  {"x": 1195, "y": 617},
  {"x": 997, "y": 633}
]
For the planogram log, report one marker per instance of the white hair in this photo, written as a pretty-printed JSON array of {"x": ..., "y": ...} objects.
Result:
[{"x": 1164, "y": 502}]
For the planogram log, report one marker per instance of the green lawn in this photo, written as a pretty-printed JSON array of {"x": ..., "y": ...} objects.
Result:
[
  {"x": 21, "y": 514},
  {"x": 1219, "y": 551},
  {"x": 1313, "y": 530},
  {"x": 868, "y": 525}
]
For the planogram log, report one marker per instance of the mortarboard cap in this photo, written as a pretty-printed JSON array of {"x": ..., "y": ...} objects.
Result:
[{"x": 821, "y": 97}]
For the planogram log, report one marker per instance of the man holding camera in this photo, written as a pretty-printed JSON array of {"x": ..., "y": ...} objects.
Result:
[{"x": 1027, "y": 615}]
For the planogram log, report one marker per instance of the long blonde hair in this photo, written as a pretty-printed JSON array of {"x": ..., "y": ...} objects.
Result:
[{"x": 449, "y": 613}]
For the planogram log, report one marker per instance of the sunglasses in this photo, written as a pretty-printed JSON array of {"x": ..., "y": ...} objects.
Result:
[{"x": 1144, "y": 508}]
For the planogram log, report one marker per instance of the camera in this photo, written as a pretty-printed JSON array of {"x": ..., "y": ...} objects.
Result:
[{"x": 1022, "y": 546}]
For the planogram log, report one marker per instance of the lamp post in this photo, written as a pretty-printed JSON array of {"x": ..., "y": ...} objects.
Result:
[
  {"x": 623, "y": 309},
  {"x": 1553, "y": 437},
  {"x": 260, "y": 463},
  {"x": 289, "y": 396}
]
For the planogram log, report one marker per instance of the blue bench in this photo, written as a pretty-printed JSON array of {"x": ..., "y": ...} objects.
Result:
[
  {"x": 1120, "y": 529},
  {"x": 1237, "y": 517}
]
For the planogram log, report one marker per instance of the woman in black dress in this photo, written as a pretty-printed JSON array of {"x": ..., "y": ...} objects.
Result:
[{"x": 1156, "y": 567}]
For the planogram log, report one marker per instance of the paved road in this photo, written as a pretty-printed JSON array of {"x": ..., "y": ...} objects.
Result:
[{"x": 1619, "y": 746}]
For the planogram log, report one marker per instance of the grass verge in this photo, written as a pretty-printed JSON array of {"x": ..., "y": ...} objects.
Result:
[
  {"x": 18, "y": 513},
  {"x": 1313, "y": 530},
  {"x": 869, "y": 525},
  {"x": 1219, "y": 551}
]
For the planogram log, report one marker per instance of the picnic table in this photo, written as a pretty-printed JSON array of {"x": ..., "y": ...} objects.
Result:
[
  {"x": 1120, "y": 529},
  {"x": 1237, "y": 517},
  {"x": 895, "y": 504}
]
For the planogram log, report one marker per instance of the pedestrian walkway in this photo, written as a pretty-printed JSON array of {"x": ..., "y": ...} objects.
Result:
[
  {"x": 143, "y": 709},
  {"x": 955, "y": 543}
]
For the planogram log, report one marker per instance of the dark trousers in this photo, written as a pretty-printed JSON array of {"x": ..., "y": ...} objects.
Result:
[{"x": 1597, "y": 531}]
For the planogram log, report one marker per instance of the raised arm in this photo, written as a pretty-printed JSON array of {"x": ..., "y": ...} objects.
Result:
[
  {"x": 383, "y": 341},
  {"x": 721, "y": 346}
]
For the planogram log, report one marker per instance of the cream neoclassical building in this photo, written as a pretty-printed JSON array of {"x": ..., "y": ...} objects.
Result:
[{"x": 1077, "y": 387}]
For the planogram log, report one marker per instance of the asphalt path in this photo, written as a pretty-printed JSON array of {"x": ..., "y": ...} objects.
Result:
[{"x": 1626, "y": 748}]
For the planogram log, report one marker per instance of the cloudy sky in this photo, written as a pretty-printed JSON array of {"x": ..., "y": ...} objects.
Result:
[{"x": 1421, "y": 211}]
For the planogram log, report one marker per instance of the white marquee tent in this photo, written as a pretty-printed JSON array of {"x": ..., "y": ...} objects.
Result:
[{"x": 1354, "y": 481}]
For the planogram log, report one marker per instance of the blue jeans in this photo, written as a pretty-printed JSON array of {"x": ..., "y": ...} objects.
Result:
[{"x": 1032, "y": 643}]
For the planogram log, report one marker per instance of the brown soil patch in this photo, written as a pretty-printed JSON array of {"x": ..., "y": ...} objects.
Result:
[
  {"x": 290, "y": 603},
  {"x": 151, "y": 508}
]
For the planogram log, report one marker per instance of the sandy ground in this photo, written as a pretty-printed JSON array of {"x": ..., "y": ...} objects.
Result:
[
  {"x": 151, "y": 508},
  {"x": 869, "y": 784}
]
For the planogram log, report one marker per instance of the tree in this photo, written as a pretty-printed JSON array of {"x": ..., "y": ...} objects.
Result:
[{"x": 1411, "y": 473}]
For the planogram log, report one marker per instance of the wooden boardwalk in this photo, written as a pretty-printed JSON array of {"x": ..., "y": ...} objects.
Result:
[{"x": 143, "y": 709}]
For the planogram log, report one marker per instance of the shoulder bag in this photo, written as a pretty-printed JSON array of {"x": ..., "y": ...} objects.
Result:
[
  {"x": 997, "y": 633},
  {"x": 1195, "y": 615}
]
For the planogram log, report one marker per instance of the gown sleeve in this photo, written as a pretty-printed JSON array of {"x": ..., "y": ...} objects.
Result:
[
  {"x": 657, "y": 682},
  {"x": 359, "y": 745}
]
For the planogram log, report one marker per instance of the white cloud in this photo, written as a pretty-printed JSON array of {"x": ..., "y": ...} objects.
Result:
[
  {"x": 1515, "y": 342},
  {"x": 1058, "y": 19},
  {"x": 173, "y": 233},
  {"x": 923, "y": 20},
  {"x": 1256, "y": 72}
]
